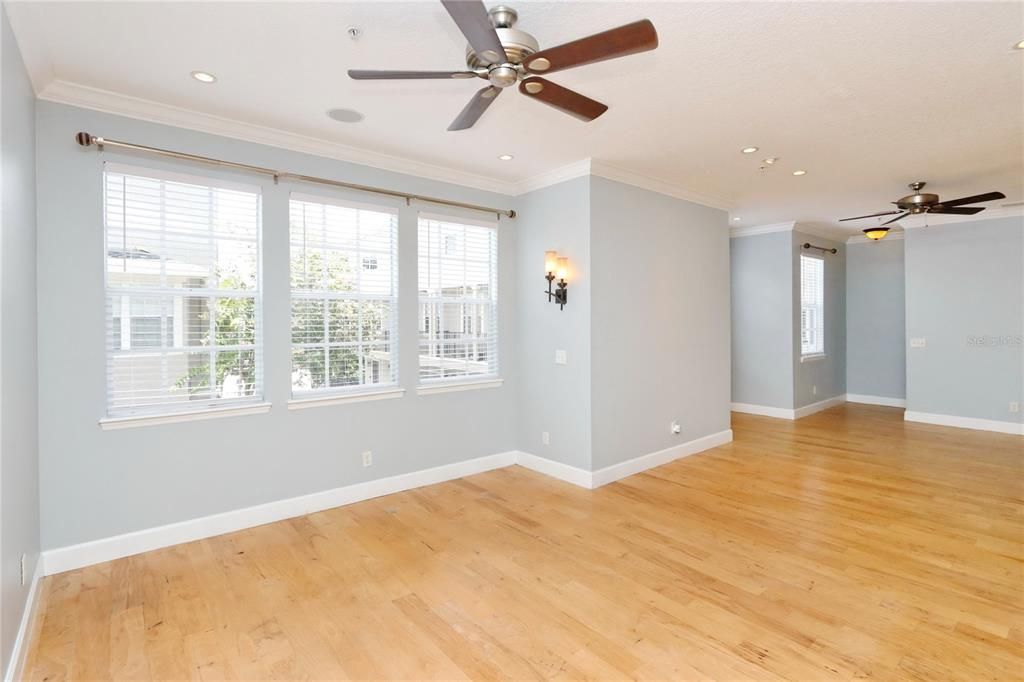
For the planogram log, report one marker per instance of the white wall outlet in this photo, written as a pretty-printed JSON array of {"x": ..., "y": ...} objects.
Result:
[
  {"x": 918, "y": 342},
  {"x": 814, "y": 390},
  {"x": 545, "y": 438},
  {"x": 675, "y": 427},
  {"x": 560, "y": 357},
  {"x": 1015, "y": 406},
  {"x": 368, "y": 458},
  {"x": 23, "y": 576}
]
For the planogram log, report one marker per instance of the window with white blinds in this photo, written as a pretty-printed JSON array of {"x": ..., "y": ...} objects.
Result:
[
  {"x": 344, "y": 283},
  {"x": 458, "y": 300},
  {"x": 812, "y": 305},
  {"x": 182, "y": 292}
]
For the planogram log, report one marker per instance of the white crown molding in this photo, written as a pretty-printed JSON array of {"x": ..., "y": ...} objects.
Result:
[
  {"x": 571, "y": 171},
  {"x": 830, "y": 233},
  {"x": 755, "y": 230},
  {"x": 608, "y": 171},
  {"x": 63, "y": 92},
  {"x": 934, "y": 219},
  {"x": 861, "y": 239}
]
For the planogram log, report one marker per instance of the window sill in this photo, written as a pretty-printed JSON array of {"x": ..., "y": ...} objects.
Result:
[
  {"x": 431, "y": 389},
  {"x": 813, "y": 357},
  {"x": 115, "y": 423},
  {"x": 343, "y": 398}
]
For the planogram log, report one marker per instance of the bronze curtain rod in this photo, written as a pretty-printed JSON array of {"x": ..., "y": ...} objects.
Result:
[
  {"x": 88, "y": 140},
  {"x": 808, "y": 245}
]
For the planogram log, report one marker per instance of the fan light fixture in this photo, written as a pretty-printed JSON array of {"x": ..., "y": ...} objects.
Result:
[
  {"x": 204, "y": 77},
  {"x": 876, "y": 233},
  {"x": 1020, "y": 45}
]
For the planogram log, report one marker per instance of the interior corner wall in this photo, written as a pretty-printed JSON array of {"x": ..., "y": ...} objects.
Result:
[
  {"x": 876, "y": 336},
  {"x": 555, "y": 398},
  {"x": 965, "y": 298},
  {"x": 659, "y": 322},
  {"x": 761, "y": 309},
  {"x": 819, "y": 379},
  {"x": 97, "y": 484},
  {"x": 19, "y": 454}
]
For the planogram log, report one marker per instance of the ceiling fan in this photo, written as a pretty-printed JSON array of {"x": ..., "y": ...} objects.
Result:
[
  {"x": 504, "y": 55},
  {"x": 923, "y": 202}
]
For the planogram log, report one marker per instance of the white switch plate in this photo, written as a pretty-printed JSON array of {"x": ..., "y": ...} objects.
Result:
[
  {"x": 675, "y": 427},
  {"x": 368, "y": 458},
  {"x": 545, "y": 438},
  {"x": 814, "y": 390},
  {"x": 918, "y": 342},
  {"x": 559, "y": 357},
  {"x": 1015, "y": 407}
]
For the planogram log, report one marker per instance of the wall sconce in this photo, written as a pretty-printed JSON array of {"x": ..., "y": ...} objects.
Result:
[{"x": 556, "y": 268}]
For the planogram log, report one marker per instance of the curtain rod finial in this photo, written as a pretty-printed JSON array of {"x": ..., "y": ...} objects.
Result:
[{"x": 84, "y": 139}]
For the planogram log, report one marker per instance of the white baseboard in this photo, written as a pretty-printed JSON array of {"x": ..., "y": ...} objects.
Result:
[
  {"x": 107, "y": 549},
  {"x": 818, "y": 406},
  {"x": 875, "y": 400},
  {"x": 19, "y": 654},
  {"x": 654, "y": 459},
  {"x": 1012, "y": 428},
  {"x": 562, "y": 472},
  {"x": 763, "y": 410}
]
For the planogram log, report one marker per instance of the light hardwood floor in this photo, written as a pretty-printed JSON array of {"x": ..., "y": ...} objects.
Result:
[{"x": 847, "y": 544}]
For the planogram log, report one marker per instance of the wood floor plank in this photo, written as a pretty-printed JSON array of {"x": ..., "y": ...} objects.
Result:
[{"x": 848, "y": 544}]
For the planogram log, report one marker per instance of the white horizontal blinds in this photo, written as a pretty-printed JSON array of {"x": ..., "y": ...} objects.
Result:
[
  {"x": 344, "y": 282},
  {"x": 183, "y": 293},
  {"x": 458, "y": 300},
  {"x": 812, "y": 305}
]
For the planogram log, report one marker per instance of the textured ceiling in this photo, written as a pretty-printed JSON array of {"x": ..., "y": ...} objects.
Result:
[{"x": 865, "y": 97}]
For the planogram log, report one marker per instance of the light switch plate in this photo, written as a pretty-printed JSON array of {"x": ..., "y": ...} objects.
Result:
[
  {"x": 918, "y": 342},
  {"x": 560, "y": 357}
]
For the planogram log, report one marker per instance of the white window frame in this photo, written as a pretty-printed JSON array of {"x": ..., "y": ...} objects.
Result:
[
  {"x": 334, "y": 395},
  {"x": 168, "y": 412},
  {"x": 493, "y": 378},
  {"x": 815, "y": 309}
]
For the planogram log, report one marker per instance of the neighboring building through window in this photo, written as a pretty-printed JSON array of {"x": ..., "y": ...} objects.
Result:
[
  {"x": 458, "y": 300},
  {"x": 183, "y": 292},
  {"x": 344, "y": 283},
  {"x": 812, "y": 305}
]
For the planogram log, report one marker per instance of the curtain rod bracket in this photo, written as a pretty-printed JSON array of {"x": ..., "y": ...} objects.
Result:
[{"x": 87, "y": 140}]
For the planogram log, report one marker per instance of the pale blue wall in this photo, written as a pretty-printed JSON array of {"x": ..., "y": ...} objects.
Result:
[
  {"x": 19, "y": 454},
  {"x": 660, "y": 321},
  {"x": 876, "y": 356},
  {"x": 100, "y": 483},
  {"x": 555, "y": 398},
  {"x": 762, "y": 319},
  {"x": 965, "y": 282},
  {"x": 827, "y": 374}
]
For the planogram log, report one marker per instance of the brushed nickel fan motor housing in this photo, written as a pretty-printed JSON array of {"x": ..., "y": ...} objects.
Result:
[
  {"x": 518, "y": 46},
  {"x": 918, "y": 202}
]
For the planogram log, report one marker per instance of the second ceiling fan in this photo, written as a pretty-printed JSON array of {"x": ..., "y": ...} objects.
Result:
[{"x": 504, "y": 55}]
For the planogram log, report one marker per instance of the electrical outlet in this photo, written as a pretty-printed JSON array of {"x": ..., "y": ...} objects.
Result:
[
  {"x": 1014, "y": 406},
  {"x": 675, "y": 427},
  {"x": 23, "y": 576},
  {"x": 918, "y": 342},
  {"x": 545, "y": 438},
  {"x": 368, "y": 458},
  {"x": 560, "y": 357},
  {"x": 814, "y": 390}
]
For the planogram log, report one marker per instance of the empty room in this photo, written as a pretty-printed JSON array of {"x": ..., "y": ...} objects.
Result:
[{"x": 456, "y": 340}]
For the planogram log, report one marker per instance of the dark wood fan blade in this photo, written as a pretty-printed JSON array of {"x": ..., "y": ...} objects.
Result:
[
  {"x": 966, "y": 210},
  {"x": 976, "y": 199},
  {"x": 639, "y": 36},
  {"x": 873, "y": 215},
  {"x": 899, "y": 217},
  {"x": 472, "y": 19},
  {"x": 363, "y": 75},
  {"x": 476, "y": 108},
  {"x": 569, "y": 101}
]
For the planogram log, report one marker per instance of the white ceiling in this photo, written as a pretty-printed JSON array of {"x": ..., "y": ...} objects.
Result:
[{"x": 865, "y": 97}]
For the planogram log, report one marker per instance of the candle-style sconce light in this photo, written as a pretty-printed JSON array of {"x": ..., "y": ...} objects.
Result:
[{"x": 557, "y": 269}]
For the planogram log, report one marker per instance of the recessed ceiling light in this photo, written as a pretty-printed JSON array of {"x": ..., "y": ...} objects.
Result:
[
  {"x": 735, "y": 218},
  {"x": 749, "y": 150},
  {"x": 800, "y": 172},
  {"x": 1020, "y": 45},
  {"x": 345, "y": 115},
  {"x": 771, "y": 160},
  {"x": 506, "y": 157},
  {"x": 204, "y": 77}
]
